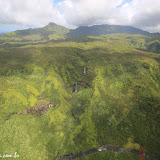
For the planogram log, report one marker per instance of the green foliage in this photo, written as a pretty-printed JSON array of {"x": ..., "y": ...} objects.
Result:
[
  {"x": 154, "y": 46},
  {"x": 117, "y": 103},
  {"x": 23, "y": 37},
  {"x": 98, "y": 30}
]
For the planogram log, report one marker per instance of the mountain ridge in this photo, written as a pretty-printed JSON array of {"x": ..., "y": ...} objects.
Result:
[
  {"x": 82, "y": 31},
  {"x": 97, "y": 30},
  {"x": 54, "y": 32},
  {"x": 44, "y": 31}
]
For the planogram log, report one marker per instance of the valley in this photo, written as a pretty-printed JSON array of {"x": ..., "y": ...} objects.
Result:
[{"x": 63, "y": 95}]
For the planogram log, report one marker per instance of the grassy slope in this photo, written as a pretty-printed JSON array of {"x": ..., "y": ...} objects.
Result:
[
  {"x": 117, "y": 102},
  {"x": 24, "y": 37}
]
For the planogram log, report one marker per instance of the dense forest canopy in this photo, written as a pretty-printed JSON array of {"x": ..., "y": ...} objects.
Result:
[{"x": 66, "y": 91}]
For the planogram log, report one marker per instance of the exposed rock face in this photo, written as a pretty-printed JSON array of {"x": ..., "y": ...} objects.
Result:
[{"x": 40, "y": 108}]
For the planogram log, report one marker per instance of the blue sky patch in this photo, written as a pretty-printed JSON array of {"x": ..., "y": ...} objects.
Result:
[
  {"x": 6, "y": 29},
  {"x": 57, "y": 1},
  {"x": 123, "y": 3}
]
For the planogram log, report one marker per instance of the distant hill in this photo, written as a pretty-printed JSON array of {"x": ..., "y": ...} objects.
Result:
[
  {"x": 56, "y": 32},
  {"x": 51, "y": 28},
  {"x": 97, "y": 30},
  {"x": 1, "y": 34},
  {"x": 51, "y": 31}
]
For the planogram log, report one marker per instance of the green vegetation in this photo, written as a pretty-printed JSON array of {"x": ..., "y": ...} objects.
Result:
[
  {"x": 117, "y": 103},
  {"x": 98, "y": 30},
  {"x": 154, "y": 46},
  {"x": 24, "y": 37}
]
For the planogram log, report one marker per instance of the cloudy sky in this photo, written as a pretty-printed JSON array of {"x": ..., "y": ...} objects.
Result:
[{"x": 20, "y": 14}]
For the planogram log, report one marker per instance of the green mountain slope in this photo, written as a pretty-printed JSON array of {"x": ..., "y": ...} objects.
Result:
[
  {"x": 56, "y": 33},
  {"x": 154, "y": 46},
  {"x": 103, "y": 29},
  {"x": 51, "y": 28},
  {"x": 117, "y": 101},
  {"x": 51, "y": 31}
]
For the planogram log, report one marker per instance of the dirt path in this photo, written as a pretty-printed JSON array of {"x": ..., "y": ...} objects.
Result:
[{"x": 101, "y": 149}]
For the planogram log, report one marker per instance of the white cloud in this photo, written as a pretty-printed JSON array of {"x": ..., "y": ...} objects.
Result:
[
  {"x": 143, "y": 14},
  {"x": 34, "y": 13},
  {"x": 89, "y": 12}
]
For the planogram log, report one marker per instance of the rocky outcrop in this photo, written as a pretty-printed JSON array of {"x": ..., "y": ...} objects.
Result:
[{"x": 40, "y": 108}]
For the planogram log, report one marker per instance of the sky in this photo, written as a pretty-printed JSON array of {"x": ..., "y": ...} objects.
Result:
[{"x": 23, "y": 14}]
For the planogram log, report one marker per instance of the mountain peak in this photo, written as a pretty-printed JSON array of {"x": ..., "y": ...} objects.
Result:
[
  {"x": 51, "y": 24},
  {"x": 55, "y": 28}
]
